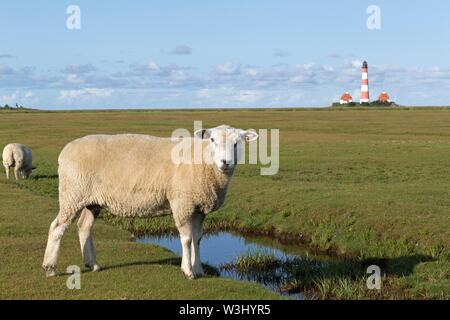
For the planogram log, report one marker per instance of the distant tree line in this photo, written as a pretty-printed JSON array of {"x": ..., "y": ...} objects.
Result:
[
  {"x": 376, "y": 103},
  {"x": 8, "y": 107}
]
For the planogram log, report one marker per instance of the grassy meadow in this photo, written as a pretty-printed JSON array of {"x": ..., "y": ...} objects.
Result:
[{"x": 367, "y": 185}]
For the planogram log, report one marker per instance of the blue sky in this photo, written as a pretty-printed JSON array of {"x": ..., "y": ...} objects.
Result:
[{"x": 176, "y": 54}]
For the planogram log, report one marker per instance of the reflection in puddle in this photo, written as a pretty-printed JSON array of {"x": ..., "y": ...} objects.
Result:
[{"x": 258, "y": 259}]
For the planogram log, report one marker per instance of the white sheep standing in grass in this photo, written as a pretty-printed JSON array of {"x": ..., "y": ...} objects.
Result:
[
  {"x": 135, "y": 176},
  {"x": 19, "y": 157}
]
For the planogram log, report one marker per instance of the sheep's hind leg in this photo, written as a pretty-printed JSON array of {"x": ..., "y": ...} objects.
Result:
[
  {"x": 197, "y": 232},
  {"x": 85, "y": 223},
  {"x": 6, "y": 171},
  {"x": 55, "y": 234}
]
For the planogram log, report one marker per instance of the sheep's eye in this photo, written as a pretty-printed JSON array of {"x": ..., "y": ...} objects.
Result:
[{"x": 212, "y": 139}]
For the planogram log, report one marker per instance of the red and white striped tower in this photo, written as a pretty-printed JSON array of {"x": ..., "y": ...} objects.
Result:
[{"x": 365, "y": 84}]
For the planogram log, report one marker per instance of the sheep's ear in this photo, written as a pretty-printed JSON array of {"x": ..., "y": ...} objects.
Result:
[
  {"x": 202, "y": 134},
  {"x": 248, "y": 135}
]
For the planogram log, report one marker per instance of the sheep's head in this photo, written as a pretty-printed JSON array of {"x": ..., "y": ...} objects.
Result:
[{"x": 225, "y": 145}]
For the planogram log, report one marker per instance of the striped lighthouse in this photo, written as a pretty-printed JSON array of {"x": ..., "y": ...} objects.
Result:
[{"x": 365, "y": 84}]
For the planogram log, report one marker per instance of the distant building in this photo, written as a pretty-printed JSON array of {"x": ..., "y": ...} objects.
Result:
[
  {"x": 384, "y": 97},
  {"x": 346, "y": 98}
]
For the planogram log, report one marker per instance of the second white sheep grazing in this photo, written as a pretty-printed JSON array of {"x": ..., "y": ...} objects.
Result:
[
  {"x": 19, "y": 157},
  {"x": 136, "y": 176}
]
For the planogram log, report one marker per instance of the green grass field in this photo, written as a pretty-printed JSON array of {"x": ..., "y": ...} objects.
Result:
[{"x": 368, "y": 184}]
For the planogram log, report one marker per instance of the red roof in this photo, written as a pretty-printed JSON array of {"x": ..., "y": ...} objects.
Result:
[
  {"x": 384, "y": 97},
  {"x": 346, "y": 97}
]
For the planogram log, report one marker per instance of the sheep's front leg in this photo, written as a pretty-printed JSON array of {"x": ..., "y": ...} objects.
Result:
[
  {"x": 185, "y": 231},
  {"x": 182, "y": 216},
  {"x": 197, "y": 232},
  {"x": 17, "y": 173}
]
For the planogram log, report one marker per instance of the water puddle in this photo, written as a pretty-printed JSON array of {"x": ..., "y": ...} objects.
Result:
[{"x": 260, "y": 259}]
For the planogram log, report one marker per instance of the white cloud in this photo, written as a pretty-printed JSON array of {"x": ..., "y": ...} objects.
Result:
[
  {"x": 229, "y": 96},
  {"x": 5, "y": 70},
  {"x": 178, "y": 75},
  {"x": 302, "y": 78},
  {"x": 204, "y": 93},
  {"x": 249, "y": 96},
  {"x": 79, "y": 68},
  {"x": 252, "y": 72},
  {"x": 229, "y": 84},
  {"x": 18, "y": 97},
  {"x": 356, "y": 63},
  {"x": 153, "y": 67},
  {"x": 87, "y": 92},
  {"x": 228, "y": 68},
  {"x": 9, "y": 99},
  {"x": 74, "y": 78}
]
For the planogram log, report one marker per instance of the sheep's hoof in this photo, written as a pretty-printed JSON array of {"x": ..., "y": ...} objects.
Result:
[
  {"x": 189, "y": 274},
  {"x": 198, "y": 273},
  {"x": 93, "y": 268},
  {"x": 49, "y": 271},
  {"x": 96, "y": 268}
]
